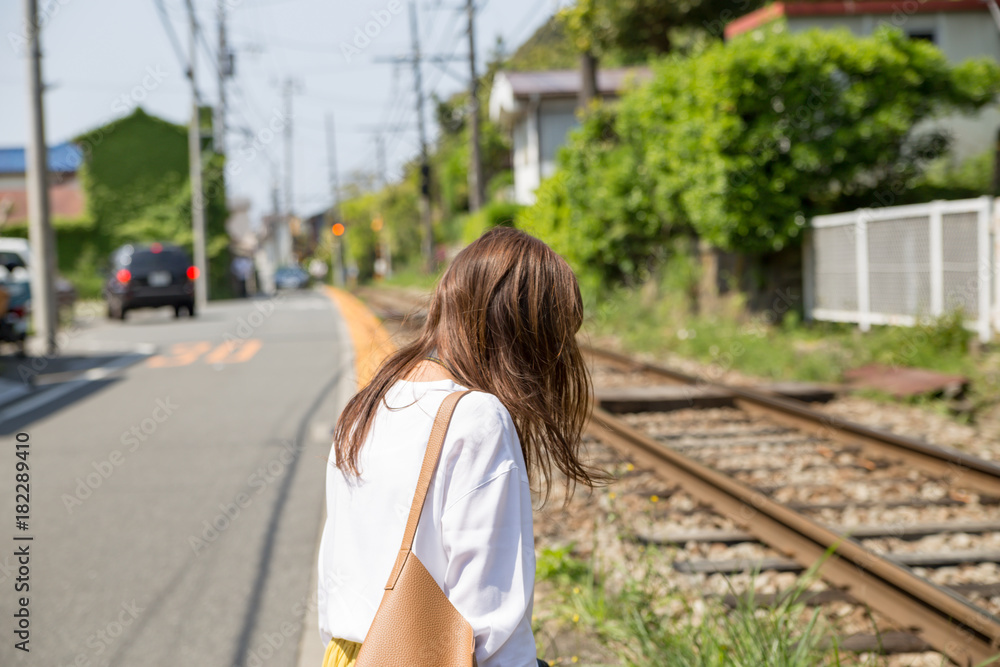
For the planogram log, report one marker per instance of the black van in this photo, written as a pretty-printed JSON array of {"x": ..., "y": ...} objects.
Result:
[{"x": 149, "y": 276}]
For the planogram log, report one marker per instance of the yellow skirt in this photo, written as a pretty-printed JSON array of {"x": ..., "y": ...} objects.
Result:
[{"x": 341, "y": 653}]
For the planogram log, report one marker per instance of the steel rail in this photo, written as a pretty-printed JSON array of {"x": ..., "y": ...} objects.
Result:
[
  {"x": 958, "y": 467},
  {"x": 966, "y": 634}
]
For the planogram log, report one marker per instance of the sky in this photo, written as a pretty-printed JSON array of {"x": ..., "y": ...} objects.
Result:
[{"x": 103, "y": 57}]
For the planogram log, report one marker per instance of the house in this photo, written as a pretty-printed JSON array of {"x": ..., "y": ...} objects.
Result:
[
  {"x": 66, "y": 198},
  {"x": 272, "y": 250},
  {"x": 539, "y": 109},
  {"x": 962, "y": 29}
]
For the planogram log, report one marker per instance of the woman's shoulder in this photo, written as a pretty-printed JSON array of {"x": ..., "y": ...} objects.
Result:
[
  {"x": 483, "y": 409},
  {"x": 482, "y": 439}
]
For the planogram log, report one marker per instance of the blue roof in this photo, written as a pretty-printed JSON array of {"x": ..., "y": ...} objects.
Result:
[{"x": 62, "y": 157}]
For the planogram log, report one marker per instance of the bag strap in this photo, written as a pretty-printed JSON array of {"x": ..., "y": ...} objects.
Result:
[{"x": 434, "y": 445}]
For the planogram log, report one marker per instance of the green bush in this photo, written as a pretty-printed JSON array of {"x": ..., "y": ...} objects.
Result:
[
  {"x": 494, "y": 214},
  {"x": 498, "y": 184},
  {"x": 745, "y": 141}
]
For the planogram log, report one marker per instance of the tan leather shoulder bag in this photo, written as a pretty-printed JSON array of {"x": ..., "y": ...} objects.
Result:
[{"x": 416, "y": 625}]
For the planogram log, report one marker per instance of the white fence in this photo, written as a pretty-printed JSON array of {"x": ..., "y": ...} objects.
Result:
[{"x": 900, "y": 264}]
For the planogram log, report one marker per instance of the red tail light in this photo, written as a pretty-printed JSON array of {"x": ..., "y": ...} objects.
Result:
[
  {"x": 192, "y": 272},
  {"x": 123, "y": 275},
  {"x": 18, "y": 311}
]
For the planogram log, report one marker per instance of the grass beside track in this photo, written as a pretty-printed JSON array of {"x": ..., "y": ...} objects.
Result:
[{"x": 776, "y": 344}]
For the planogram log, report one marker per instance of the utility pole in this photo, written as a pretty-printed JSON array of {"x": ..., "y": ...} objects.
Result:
[
  {"x": 415, "y": 59},
  {"x": 382, "y": 180},
  {"x": 996, "y": 170},
  {"x": 273, "y": 229},
  {"x": 289, "y": 89},
  {"x": 194, "y": 154},
  {"x": 425, "y": 167},
  {"x": 380, "y": 159},
  {"x": 45, "y": 309},
  {"x": 476, "y": 195},
  {"x": 225, "y": 69},
  {"x": 337, "y": 244}
]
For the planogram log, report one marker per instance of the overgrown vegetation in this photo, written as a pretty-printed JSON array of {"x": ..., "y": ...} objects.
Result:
[
  {"x": 639, "y": 615},
  {"x": 774, "y": 343},
  {"x": 741, "y": 144},
  {"x": 634, "y": 31}
]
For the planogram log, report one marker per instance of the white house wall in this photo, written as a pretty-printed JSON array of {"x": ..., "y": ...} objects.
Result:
[
  {"x": 558, "y": 118},
  {"x": 537, "y": 136},
  {"x": 524, "y": 180}
]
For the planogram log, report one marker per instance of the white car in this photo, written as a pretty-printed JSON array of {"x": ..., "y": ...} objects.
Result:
[{"x": 15, "y": 256}]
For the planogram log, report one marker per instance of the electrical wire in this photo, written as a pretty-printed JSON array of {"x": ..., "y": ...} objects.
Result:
[{"x": 175, "y": 43}]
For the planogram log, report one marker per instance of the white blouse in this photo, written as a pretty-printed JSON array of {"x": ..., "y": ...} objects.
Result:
[{"x": 475, "y": 532}]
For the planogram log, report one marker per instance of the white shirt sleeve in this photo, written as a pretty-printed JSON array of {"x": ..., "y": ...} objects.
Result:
[{"x": 488, "y": 540}]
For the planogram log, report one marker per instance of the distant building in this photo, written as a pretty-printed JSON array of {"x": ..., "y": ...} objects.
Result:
[
  {"x": 962, "y": 29},
  {"x": 242, "y": 239},
  {"x": 66, "y": 199},
  {"x": 273, "y": 250},
  {"x": 539, "y": 109}
]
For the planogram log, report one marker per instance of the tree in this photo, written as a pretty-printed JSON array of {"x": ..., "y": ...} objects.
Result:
[
  {"x": 135, "y": 176},
  {"x": 743, "y": 143},
  {"x": 637, "y": 30},
  {"x": 548, "y": 48}
]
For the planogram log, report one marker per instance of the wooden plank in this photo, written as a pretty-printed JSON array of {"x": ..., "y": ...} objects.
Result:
[
  {"x": 809, "y": 392},
  {"x": 669, "y": 397},
  {"x": 818, "y": 598},
  {"x": 739, "y": 565},
  {"x": 885, "y": 643},
  {"x": 908, "y": 532},
  {"x": 662, "y": 398}
]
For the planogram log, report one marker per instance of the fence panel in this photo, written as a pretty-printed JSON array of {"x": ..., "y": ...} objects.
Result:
[{"x": 902, "y": 264}]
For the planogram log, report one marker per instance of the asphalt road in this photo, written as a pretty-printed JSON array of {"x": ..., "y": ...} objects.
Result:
[{"x": 175, "y": 504}]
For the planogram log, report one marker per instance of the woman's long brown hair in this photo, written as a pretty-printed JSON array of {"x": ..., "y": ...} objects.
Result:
[{"x": 503, "y": 319}]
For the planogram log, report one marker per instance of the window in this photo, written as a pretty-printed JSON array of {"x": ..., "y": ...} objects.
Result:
[{"x": 927, "y": 35}]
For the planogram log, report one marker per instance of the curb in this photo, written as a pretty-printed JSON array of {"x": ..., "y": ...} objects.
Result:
[{"x": 372, "y": 343}]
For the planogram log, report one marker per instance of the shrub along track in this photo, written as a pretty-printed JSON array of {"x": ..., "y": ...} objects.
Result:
[{"x": 724, "y": 458}]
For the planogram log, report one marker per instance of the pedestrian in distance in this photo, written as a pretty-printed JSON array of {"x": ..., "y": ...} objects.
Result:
[{"x": 502, "y": 323}]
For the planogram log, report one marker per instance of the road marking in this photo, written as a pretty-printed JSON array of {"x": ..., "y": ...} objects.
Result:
[
  {"x": 181, "y": 354},
  {"x": 234, "y": 352},
  {"x": 372, "y": 343}
]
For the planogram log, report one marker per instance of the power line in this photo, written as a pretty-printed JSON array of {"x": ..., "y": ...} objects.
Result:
[
  {"x": 529, "y": 18},
  {"x": 175, "y": 42},
  {"x": 425, "y": 167},
  {"x": 476, "y": 194}
]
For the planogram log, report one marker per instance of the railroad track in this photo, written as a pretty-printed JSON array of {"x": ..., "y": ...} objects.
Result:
[{"x": 800, "y": 482}]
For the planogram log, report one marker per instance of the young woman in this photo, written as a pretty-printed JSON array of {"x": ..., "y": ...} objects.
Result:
[{"x": 502, "y": 322}]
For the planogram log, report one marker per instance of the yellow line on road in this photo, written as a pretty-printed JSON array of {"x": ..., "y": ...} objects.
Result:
[
  {"x": 181, "y": 354},
  {"x": 372, "y": 343}
]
